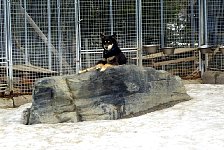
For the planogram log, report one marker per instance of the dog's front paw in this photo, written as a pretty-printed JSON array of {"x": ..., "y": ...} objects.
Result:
[
  {"x": 104, "y": 67},
  {"x": 99, "y": 66},
  {"x": 82, "y": 71}
]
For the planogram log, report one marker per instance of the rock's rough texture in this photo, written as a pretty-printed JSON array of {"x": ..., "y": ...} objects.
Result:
[
  {"x": 118, "y": 92},
  {"x": 6, "y": 103},
  {"x": 21, "y": 100},
  {"x": 213, "y": 77}
]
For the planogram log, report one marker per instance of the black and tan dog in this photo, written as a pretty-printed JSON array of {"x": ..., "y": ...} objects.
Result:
[{"x": 112, "y": 55}]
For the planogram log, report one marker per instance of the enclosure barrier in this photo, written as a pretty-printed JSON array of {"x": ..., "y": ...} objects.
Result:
[{"x": 57, "y": 37}]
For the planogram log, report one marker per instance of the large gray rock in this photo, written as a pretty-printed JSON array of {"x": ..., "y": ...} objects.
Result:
[{"x": 119, "y": 92}]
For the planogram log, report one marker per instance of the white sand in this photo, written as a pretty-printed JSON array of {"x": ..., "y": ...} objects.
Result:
[{"x": 197, "y": 124}]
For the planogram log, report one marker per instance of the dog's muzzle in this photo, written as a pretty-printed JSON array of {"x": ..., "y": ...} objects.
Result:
[{"x": 108, "y": 47}]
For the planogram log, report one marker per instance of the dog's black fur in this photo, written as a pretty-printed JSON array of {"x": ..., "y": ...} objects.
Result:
[{"x": 111, "y": 53}]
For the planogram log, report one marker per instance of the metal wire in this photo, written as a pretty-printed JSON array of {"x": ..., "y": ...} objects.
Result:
[{"x": 56, "y": 37}]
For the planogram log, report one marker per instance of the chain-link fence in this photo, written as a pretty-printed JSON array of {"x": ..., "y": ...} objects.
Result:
[{"x": 41, "y": 38}]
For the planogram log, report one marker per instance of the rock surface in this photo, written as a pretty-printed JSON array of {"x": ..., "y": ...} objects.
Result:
[
  {"x": 213, "y": 77},
  {"x": 6, "y": 103},
  {"x": 13, "y": 102},
  {"x": 119, "y": 92}
]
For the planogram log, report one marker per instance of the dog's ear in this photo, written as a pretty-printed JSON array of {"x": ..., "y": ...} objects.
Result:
[
  {"x": 102, "y": 35},
  {"x": 114, "y": 35}
]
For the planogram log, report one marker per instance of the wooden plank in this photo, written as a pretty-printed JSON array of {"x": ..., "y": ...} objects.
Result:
[
  {"x": 216, "y": 69},
  {"x": 174, "y": 61},
  {"x": 30, "y": 68},
  {"x": 160, "y": 54},
  {"x": 3, "y": 85},
  {"x": 39, "y": 69}
]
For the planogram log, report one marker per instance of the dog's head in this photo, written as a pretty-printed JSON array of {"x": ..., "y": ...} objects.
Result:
[{"x": 108, "y": 42}]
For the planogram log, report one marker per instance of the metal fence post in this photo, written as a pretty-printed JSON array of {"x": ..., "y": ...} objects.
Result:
[
  {"x": 111, "y": 18},
  {"x": 9, "y": 43},
  {"x": 162, "y": 23},
  {"x": 59, "y": 36},
  {"x": 202, "y": 34},
  {"x": 162, "y": 28},
  {"x": 6, "y": 44},
  {"x": 49, "y": 33},
  {"x": 192, "y": 24},
  {"x": 25, "y": 22},
  {"x": 205, "y": 22},
  {"x": 77, "y": 30},
  {"x": 205, "y": 32},
  {"x": 139, "y": 31}
]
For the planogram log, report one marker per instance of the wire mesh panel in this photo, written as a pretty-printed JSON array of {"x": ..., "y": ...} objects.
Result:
[
  {"x": 215, "y": 29},
  {"x": 108, "y": 17},
  {"x": 171, "y": 23},
  {"x": 43, "y": 40},
  {"x": 95, "y": 19},
  {"x": 3, "y": 52},
  {"x": 56, "y": 37},
  {"x": 151, "y": 22}
]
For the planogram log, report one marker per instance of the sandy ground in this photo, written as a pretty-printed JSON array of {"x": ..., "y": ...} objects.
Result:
[{"x": 197, "y": 124}]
